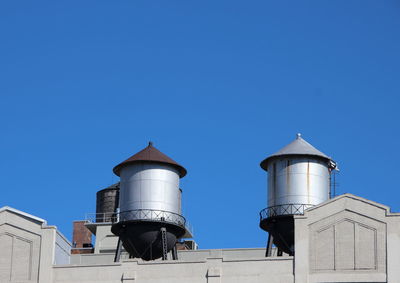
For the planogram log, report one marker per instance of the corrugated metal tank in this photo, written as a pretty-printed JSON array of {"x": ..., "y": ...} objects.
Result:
[
  {"x": 298, "y": 180},
  {"x": 107, "y": 203},
  {"x": 150, "y": 186},
  {"x": 150, "y": 202}
]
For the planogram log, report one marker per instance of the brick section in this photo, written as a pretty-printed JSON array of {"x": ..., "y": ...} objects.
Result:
[
  {"x": 82, "y": 251},
  {"x": 185, "y": 246},
  {"x": 81, "y": 238}
]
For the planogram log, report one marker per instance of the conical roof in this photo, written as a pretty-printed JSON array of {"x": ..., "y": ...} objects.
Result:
[
  {"x": 110, "y": 188},
  {"x": 297, "y": 147},
  {"x": 150, "y": 154}
]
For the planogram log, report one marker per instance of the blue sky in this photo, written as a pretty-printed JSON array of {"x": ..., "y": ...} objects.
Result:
[{"x": 216, "y": 85}]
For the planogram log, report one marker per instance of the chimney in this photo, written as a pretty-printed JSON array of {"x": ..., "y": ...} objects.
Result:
[{"x": 81, "y": 239}]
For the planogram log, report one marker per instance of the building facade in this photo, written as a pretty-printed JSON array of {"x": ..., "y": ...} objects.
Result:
[{"x": 345, "y": 239}]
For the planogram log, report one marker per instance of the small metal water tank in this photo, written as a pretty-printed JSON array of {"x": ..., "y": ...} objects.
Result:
[
  {"x": 298, "y": 178},
  {"x": 107, "y": 203}
]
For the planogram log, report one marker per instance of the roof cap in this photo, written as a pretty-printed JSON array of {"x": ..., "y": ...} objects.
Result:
[
  {"x": 297, "y": 147},
  {"x": 20, "y": 212},
  {"x": 150, "y": 154},
  {"x": 113, "y": 187}
]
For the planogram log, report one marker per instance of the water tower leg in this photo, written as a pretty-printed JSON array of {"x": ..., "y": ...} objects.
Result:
[
  {"x": 174, "y": 253},
  {"x": 164, "y": 243},
  {"x": 118, "y": 250},
  {"x": 268, "y": 252}
]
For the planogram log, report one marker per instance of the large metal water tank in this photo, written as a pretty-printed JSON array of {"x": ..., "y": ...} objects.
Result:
[
  {"x": 150, "y": 186},
  {"x": 150, "y": 202},
  {"x": 298, "y": 178}
]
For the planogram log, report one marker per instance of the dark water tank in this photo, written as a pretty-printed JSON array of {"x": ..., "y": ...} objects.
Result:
[
  {"x": 142, "y": 239},
  {"x": 107, "y": 202}
]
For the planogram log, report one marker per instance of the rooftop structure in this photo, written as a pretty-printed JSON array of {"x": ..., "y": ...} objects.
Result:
[
  {"x": 342, "y": 239},
  {"x": 298, "y": 178},
  {"x": 346, "y": 239}
]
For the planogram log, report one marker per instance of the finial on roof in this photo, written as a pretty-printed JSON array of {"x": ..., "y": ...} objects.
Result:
[
  {"x": 150, "y": 143},
  {"x": 298, "y": 135}
]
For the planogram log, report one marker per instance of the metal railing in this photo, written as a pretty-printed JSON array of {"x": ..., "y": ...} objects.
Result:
[
  {"x": 137, "y": 214},
  {"x": 153, "y": 215},
  {"x": 106, "y": 217},
  {"x": 283, "y": 209}
]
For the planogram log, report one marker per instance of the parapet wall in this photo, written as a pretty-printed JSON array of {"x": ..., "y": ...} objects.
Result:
[
  {"x": 200, "y": 266},
  {"x": 347, "y": 239}
]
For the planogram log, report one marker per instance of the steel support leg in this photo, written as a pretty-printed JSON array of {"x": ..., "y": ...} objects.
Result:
[
  {"x": 118, "y": 250},
  {"x": 268, "y": 252},
  {"x": 174, "y": 253}
]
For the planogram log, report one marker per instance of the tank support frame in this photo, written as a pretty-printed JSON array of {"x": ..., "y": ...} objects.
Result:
[
  {"x": 270, "y": 242},
  {"x": 268, "y": 252},
  {"x": 118, "y": 251},
  {"x": 174, "y": 253},
  {"x": 163, "y": 233}
]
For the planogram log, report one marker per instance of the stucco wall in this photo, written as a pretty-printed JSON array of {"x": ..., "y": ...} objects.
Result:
[
  {"x": 62, "y": 253},
  {"x": 28, "y": 247},
  {"x": 211, "y": 270},
  {"x": 20, "y": 244},
  {"x": 346, "y": 240}
]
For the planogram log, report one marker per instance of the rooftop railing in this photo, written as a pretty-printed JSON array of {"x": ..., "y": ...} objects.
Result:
[
  {"x": 283, "y": 209},
  {"x": 106, "y": 217},
  {"x": 139, "y": 215},
  {"x": 152, "y": 215}
]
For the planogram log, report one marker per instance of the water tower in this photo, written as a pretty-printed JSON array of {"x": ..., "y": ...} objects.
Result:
[
  {"x": 298, "y": 178},
  {"x": 150, "y": 219},
  {"x": 107, "y": 203}
]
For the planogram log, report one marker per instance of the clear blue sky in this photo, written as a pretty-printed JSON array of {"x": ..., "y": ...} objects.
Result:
[{"x": 216, "y": 85}]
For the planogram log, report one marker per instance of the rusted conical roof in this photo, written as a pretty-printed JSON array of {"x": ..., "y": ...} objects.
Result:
[{"x": 150, "y": 154}]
